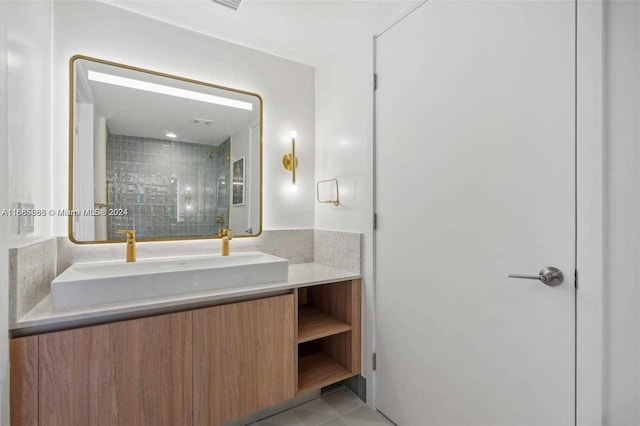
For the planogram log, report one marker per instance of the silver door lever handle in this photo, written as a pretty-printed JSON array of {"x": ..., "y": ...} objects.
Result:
[{"x": 548, "y": 275}]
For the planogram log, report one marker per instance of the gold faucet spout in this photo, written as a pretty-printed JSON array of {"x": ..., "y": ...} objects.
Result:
[
  {"x": 225, "y": 234},
  {"x": 131, "y": 243}
]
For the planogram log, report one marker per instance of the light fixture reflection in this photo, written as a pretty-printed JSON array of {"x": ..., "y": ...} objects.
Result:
[
  {"x": 166, "y": 90},
  {"x": 188, "y": 198}
]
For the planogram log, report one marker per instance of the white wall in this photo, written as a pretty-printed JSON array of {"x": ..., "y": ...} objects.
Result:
[
  {"x": 25, "y": 140},
  {"x": 287, "y": 88},
  {"x": 344, "y": 150},
  {"x": 244, "y": 216},
  {"x": 590, "y": 213},
  {"x": 622, "y": 224},
  {"x": 28, "y": 27},
  {"x": 4, "y": 228},
  {"x": 343, "y": 145}
]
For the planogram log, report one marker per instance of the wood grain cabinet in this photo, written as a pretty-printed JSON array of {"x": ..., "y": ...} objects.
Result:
[
  {"x": 243, "y": 358},
  {"x": 24, "y": 381},
  {"x": 198, "y": 367},
  {"x": 128, "y": 373},
  {"x": 328, "y": 334}
]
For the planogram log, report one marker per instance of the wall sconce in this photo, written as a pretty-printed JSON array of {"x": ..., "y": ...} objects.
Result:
[{"x": 290, "y": 162}]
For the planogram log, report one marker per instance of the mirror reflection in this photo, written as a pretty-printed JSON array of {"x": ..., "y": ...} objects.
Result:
[{"x": 168, "y": 157}]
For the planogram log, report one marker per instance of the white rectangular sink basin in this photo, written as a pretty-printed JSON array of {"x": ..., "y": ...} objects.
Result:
[{"x": 98, "y": 283}]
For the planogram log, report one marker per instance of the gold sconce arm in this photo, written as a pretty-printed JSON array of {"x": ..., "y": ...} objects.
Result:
[{"x": 290, "y": 161}]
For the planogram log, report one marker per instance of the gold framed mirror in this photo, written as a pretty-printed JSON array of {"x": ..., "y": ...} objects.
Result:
[{"x": 169, "y": 157}]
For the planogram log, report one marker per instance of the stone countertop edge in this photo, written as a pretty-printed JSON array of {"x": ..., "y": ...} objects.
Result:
[{"x": 42, "y": 318}]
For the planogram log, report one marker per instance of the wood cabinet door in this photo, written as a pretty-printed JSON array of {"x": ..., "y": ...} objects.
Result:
[
  {"x": 134, "y": 372},
  {"x": 243, "y": 358},
  {"x": 24, "y": 381}
]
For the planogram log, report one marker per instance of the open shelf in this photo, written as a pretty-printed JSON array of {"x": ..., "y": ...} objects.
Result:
[
  {"x": 328, "y": 334},
  {"x": 314, "y": 323},
  {"x": 318, "y": 370}
]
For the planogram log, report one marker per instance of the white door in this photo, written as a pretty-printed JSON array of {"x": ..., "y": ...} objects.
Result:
[{"x": 475, "y": 180}]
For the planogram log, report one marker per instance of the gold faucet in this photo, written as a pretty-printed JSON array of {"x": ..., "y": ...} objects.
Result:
[
  {"x": 131, "y": 243},
  {"x": 225, "y": 234}
]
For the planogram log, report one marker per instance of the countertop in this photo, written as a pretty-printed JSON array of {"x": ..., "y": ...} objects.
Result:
[{"x": 43, "y": 318}]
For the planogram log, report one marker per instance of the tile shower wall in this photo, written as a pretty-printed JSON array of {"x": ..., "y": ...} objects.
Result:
[{"x": 169, "y": 188}]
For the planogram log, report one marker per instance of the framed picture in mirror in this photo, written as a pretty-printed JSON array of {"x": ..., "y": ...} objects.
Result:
[{"x": 238, "y": 182}]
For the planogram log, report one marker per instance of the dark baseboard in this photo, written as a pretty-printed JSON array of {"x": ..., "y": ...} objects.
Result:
[{"x": 358, "y": 385}]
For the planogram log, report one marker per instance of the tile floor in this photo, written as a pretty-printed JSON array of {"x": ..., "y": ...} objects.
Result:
[{"x": 339, "y": 407}]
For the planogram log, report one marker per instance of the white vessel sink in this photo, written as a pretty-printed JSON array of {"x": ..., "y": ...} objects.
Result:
[{"x": 97, "y": 283}]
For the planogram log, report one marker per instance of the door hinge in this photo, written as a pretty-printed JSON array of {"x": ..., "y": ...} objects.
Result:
[
  {"x": 375, "y": 221},
  {"x": 373, "y": 361},
  {"x": 575, "y": 278},
  {"x": 375, "y": 81}
]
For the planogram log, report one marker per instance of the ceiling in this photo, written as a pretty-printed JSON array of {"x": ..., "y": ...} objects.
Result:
[{"x": 306, "y": 31}]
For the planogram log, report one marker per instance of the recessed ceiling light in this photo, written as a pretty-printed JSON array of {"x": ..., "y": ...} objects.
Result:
[
  {"x": 166, "y": 90},
  {"x": 171, "y": 135}
]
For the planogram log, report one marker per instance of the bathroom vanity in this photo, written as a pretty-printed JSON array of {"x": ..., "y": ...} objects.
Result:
[{"x": 201, "y": 360}]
